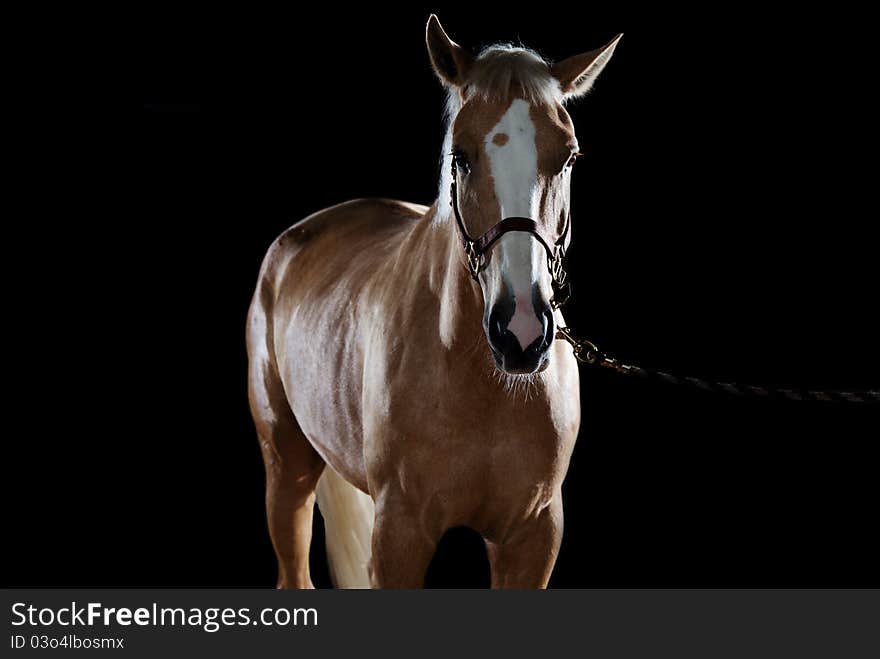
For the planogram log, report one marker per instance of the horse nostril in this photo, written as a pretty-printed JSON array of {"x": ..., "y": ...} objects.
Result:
[
  {"x": 548, "y": 332},
  {"x": 497, "y": 329},
  {"x": 549, "y": 327}
]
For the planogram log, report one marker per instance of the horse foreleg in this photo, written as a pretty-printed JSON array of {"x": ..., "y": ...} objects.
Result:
[
  {"x": 402, "y": 548},
  {"x": 293, "y": 468},
  {"x": 292, "y": 472},
  {"x": 527, "y": 559}
]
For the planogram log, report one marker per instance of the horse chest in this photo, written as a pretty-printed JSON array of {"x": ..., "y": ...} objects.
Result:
[{"x": 457, "y": 439}]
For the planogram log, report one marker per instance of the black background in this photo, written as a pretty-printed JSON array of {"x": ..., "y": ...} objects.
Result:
[{"x": 724, "y": 221}]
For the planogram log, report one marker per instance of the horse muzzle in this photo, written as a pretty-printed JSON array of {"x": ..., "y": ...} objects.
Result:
[{"x": 520, "y": 336}]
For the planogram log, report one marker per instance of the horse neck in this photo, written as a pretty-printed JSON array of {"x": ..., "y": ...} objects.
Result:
[{"x": 436, "y": 256}]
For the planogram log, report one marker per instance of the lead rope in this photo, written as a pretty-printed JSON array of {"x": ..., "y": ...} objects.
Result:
[{"x": 587, "y": 352}]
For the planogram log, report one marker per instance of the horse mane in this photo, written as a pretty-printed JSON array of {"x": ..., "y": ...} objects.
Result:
[{"x": 500, "y": 72}]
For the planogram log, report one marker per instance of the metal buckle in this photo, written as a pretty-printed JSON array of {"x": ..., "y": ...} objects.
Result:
[
  {"x": 561, "y": 294},
  {"x": 557, "y": 271},
  {"x": 474, "y": 259}
]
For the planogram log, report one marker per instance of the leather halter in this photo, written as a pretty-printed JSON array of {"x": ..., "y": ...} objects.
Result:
[{"x": 476, "y": 249}]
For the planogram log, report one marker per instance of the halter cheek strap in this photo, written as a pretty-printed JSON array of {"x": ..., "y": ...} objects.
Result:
[{"x": 476, "y": 249}]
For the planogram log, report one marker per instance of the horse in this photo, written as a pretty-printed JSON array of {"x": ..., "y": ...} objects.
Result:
[{"x": 403, "y": 373}]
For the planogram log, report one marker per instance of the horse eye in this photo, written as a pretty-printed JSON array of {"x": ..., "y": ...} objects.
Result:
[
  {"x": 573, "y": 159},
  {"x": 461, "y": 162}
]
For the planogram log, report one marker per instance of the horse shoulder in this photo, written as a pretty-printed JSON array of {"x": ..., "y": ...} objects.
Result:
[{"x": 321, "y": 247}]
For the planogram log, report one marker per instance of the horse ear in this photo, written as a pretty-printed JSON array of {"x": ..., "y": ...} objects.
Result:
[
  {"x": 577, "y": 74},
  {"x": 450, "y": 61}
]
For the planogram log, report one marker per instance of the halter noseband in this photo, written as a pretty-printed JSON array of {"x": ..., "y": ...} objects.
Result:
[{"x": 476, "y": 250}]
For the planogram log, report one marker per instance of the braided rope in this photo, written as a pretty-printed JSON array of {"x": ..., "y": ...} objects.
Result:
[
  {"x": 735, "y": 389},
  {"x": 586, "y": 352}
]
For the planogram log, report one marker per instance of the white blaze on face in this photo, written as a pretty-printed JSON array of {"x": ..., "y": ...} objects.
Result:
[
  {"x": 514, "y": 161},
  {"x": 517, "y": 259}
]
